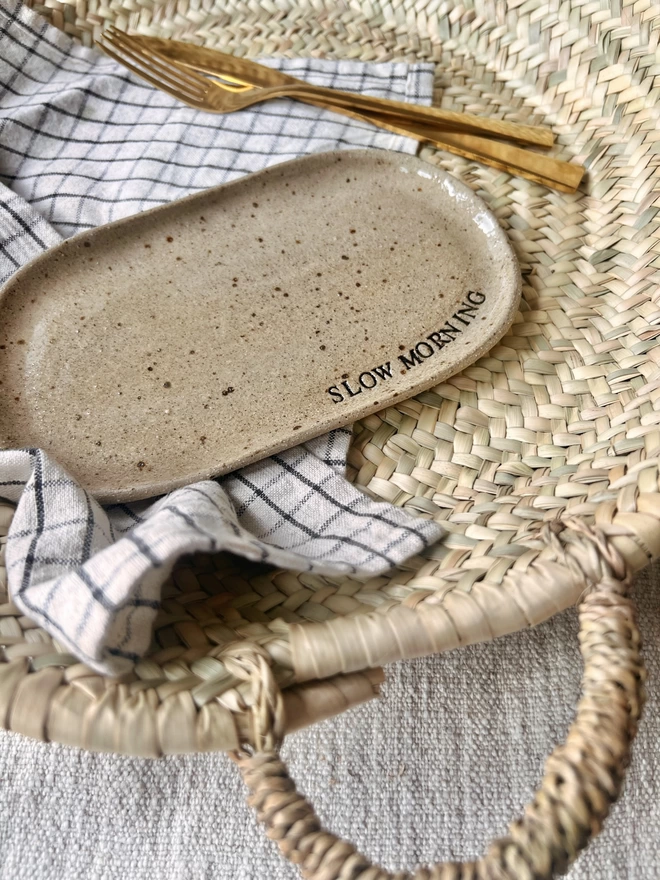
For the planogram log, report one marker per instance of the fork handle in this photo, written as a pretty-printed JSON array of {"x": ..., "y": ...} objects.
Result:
[
  {"x": 529, "y": 134},
  {"x": 545, "y": 170}
]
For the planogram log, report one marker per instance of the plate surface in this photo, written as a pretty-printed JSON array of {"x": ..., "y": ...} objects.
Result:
[{"x": 187, "y": 341}]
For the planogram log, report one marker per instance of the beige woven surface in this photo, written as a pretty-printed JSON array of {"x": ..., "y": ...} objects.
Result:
[
  {"x": 561, "y": 419},
  {"x": 582, "y": 778}
]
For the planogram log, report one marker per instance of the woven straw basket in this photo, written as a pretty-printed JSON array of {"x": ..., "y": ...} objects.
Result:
[{"x": 542, "y": 460}]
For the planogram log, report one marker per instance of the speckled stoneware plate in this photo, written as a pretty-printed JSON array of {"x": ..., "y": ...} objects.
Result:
[{"x": 187, "y": 341}]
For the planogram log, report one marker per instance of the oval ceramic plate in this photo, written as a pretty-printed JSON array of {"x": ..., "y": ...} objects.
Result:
[{"x": 190, "y": 340}]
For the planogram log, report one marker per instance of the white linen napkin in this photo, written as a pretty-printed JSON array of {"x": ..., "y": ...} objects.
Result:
[{"x": 83, "y": 142}]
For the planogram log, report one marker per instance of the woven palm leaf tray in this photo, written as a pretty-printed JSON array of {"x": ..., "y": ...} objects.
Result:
[{"x": 541, "y": 460}]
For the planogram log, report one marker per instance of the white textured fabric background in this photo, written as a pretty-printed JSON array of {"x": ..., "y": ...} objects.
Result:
[{"x": 433, "y": 770}]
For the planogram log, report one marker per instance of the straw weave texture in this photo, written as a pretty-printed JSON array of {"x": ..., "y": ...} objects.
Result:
[{"x": 560, "y": 420}]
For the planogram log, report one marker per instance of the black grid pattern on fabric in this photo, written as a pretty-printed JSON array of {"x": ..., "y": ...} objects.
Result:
[{"x": 83, "y": 143}]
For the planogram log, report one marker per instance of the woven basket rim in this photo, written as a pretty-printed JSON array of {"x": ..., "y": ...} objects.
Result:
[{"x": 556, "y": 425}]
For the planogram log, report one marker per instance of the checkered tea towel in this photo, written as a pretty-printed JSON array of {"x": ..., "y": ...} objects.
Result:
[{"x": 83, "y": 142}]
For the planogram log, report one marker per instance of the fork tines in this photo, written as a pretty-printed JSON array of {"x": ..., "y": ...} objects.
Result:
[{"x": 179, "y": 82}]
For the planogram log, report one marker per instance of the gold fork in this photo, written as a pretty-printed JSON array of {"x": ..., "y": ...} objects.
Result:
[{"x": 145, "y": 57}]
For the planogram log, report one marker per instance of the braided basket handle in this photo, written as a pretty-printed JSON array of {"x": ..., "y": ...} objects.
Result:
[{"x": 583, "y": 777}]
